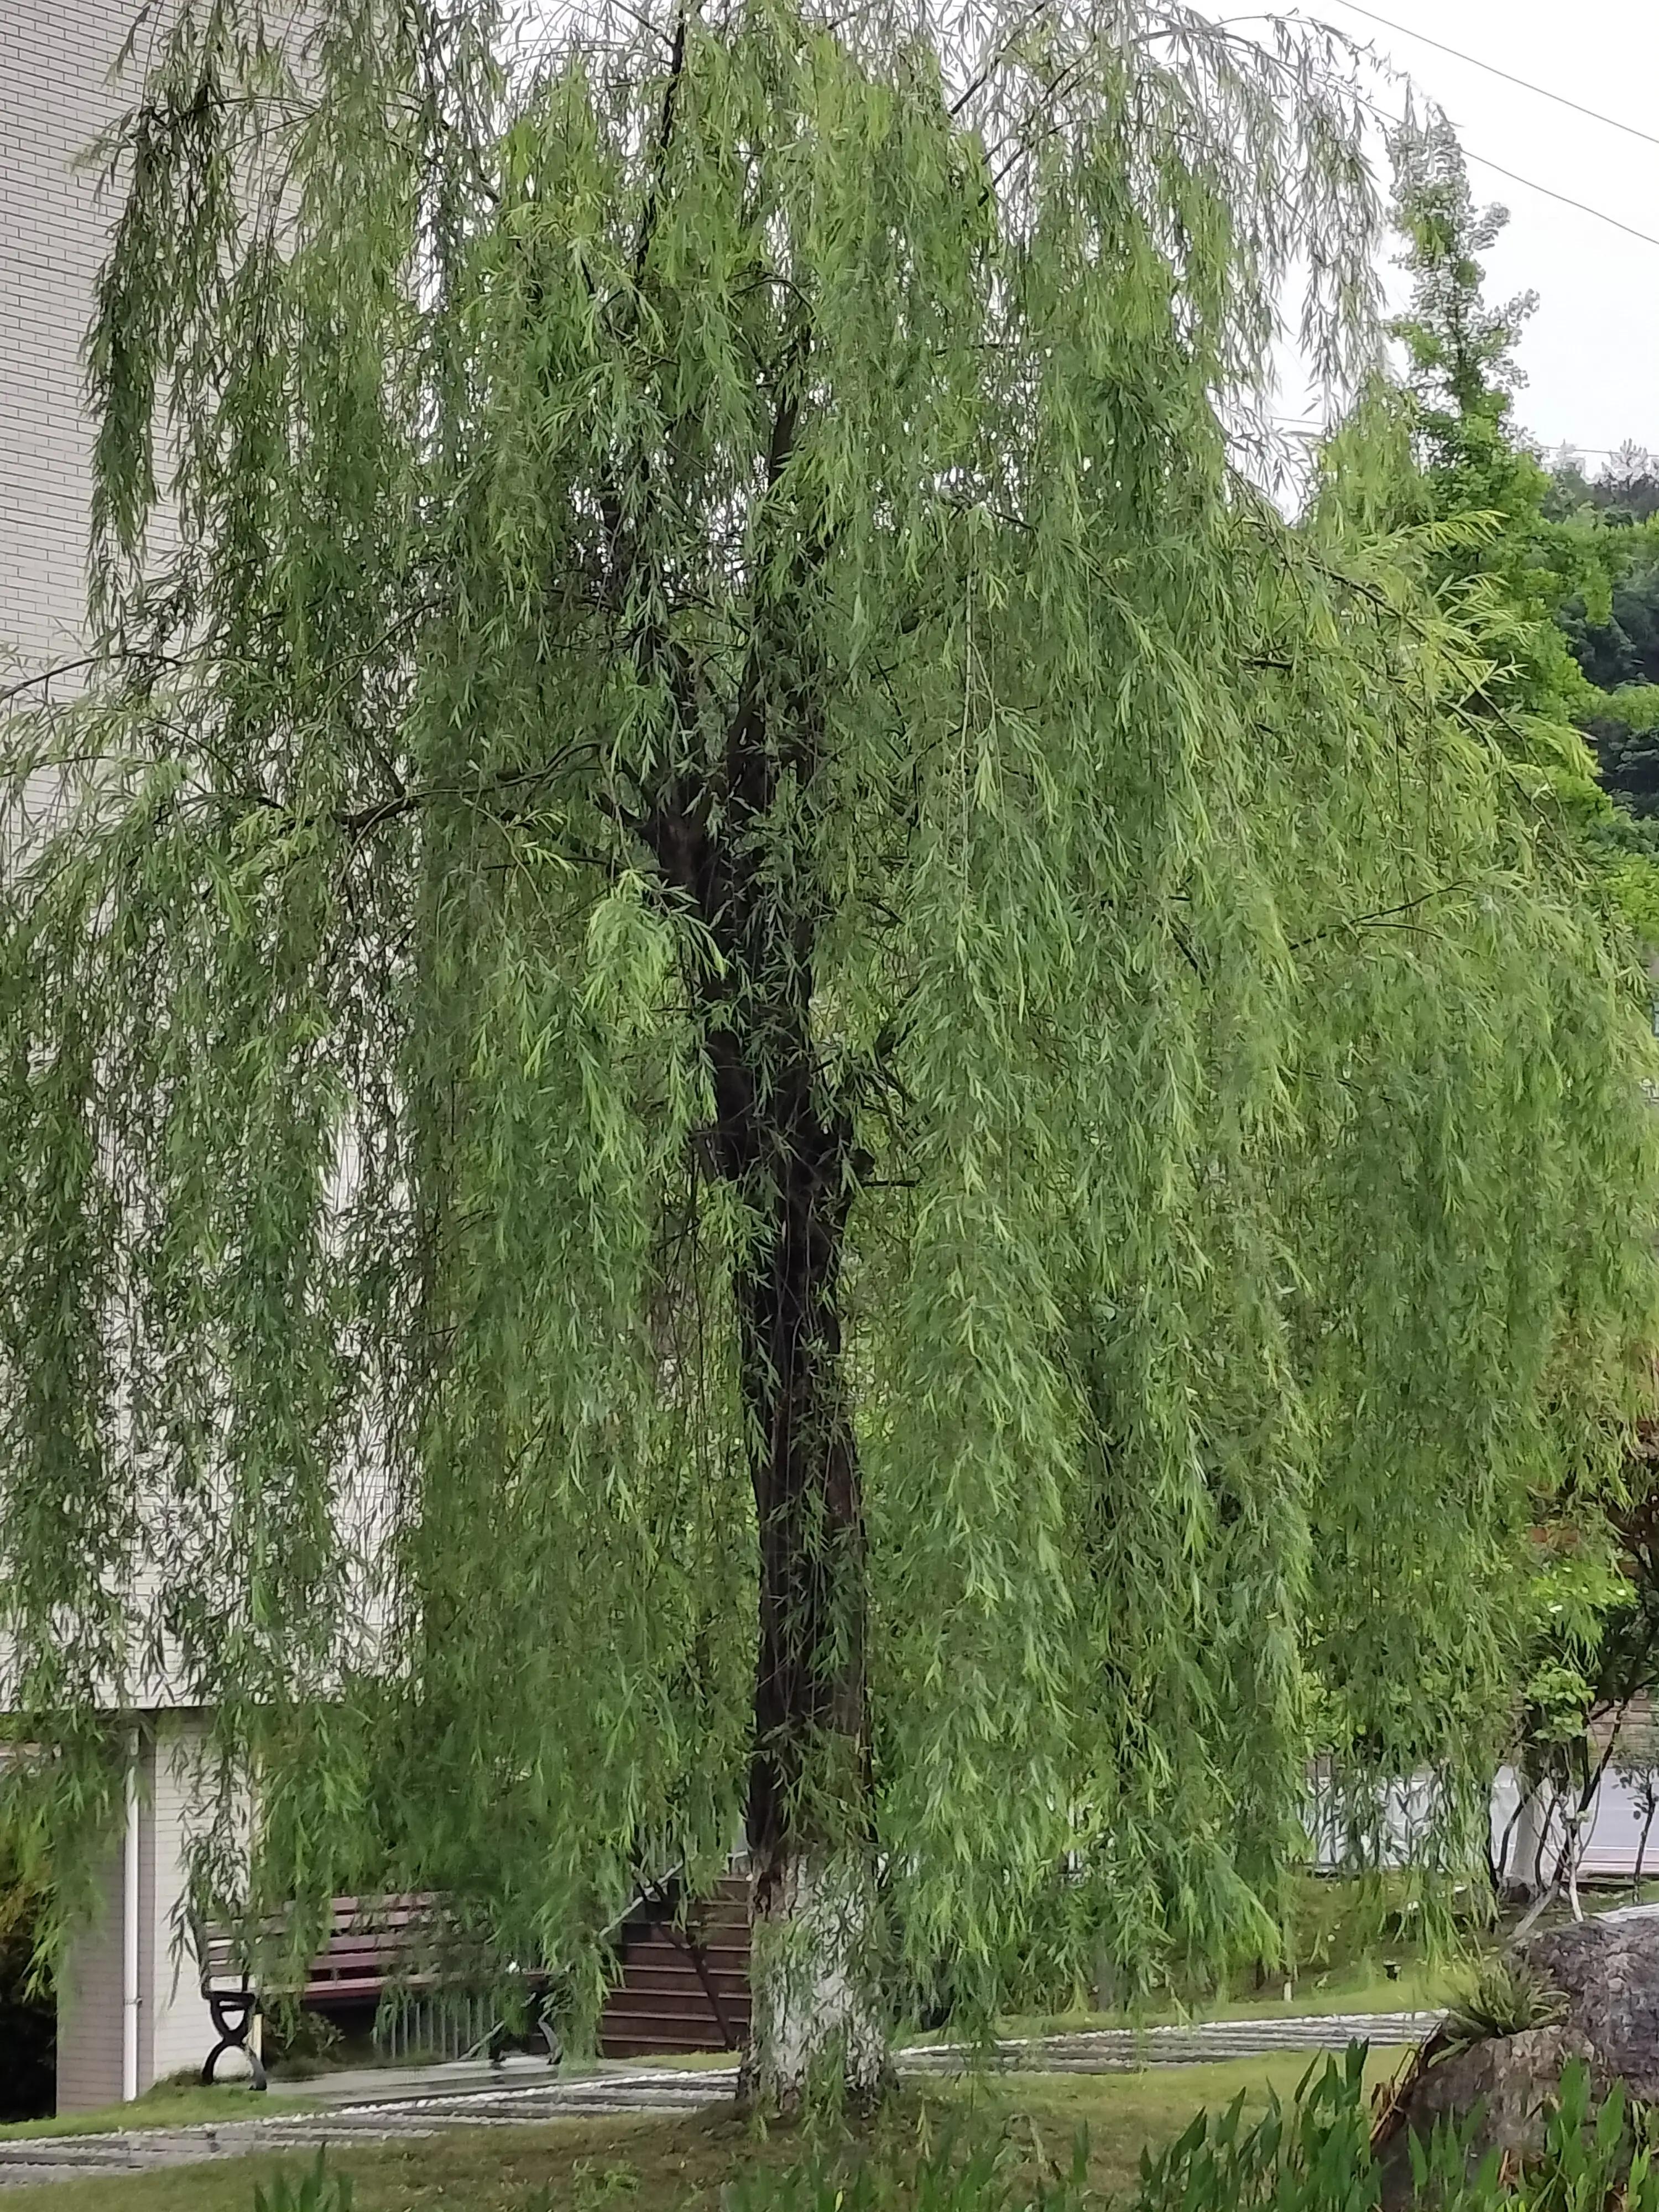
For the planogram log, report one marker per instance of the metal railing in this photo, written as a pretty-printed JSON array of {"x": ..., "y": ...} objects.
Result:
[{"x": 434, "y": 2026}]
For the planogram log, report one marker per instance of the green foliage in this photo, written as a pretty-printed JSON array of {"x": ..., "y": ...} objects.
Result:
[
  {"x": 1315, "y": 2154},
  {"x": 298, "y": 2042},
  {"x": 1623, "y": 491},
  {"x": 1571, "y": 1609},
  {"x": 1516, "y": 568},
  {"x": 734, "y": 938},
  {"x": 1504, "y": 1996},
  {"x": 1317, "y": 2157},
  {"x": 977, "y": 2176},
  {"x": 316, "y": 2191},
  {"x": 1620, "y": 648},
  {"x": 1622, "y": 730},
  {"x": 1588, "y": 1625},
  {"x": 27, "y": 2010},
  {"x": 1518, "y": 562},
  {"x": 1616, "y": 645}
]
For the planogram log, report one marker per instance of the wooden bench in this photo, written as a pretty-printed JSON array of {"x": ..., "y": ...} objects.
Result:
[{"x": 371, "y": 1942}]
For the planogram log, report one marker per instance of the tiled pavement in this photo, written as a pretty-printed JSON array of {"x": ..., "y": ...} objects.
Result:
[
  {"x": 1125, "y": 2050},
  {"x": 52, "y": 2158},
  {"x": 396, "y": 2115}
]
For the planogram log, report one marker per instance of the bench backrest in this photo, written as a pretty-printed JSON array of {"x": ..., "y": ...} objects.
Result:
[{"x": 369, "y": 1941}]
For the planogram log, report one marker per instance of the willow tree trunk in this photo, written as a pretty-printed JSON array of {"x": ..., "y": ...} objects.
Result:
[
  {"x": 816, "y": 2004},
  {"x": 738, "y": 844}
]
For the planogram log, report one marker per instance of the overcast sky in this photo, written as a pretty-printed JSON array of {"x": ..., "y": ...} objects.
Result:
[{"x": 1591, "y": 351}]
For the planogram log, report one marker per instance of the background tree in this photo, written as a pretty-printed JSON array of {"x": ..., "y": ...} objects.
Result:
[
  {"x": 1624, "y": 489},
  {"x": 760, "y": 1068},
  {"x": 1616, "y": 645},
  {"x": 27, "y": 2013},
  {"x": 1535, "y": 569},
  {"x": 1513, "y": 566}
]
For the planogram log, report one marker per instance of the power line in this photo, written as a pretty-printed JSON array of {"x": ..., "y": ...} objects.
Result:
[
  {"x": 1530, "y": 184},
  {"x": 1492, "y": 68},
  {"x": 1608, "y": 452},
  {"x": 1316, "y": 426},
  {"x": 1486, "y": 162},
  {"x": 1583, "y": 207},
  {"x": 1550, "y": 193}
]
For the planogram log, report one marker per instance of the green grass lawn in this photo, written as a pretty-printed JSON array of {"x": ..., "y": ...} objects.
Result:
[
  {"x": 683, "y": 2164},
  {"x": 1362, "y": 1986},
  {"x": 1345, "y": 1961},
  {"x": 169, "y": 2104}
]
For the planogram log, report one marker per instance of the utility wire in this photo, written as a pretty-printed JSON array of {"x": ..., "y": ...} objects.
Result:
[
  {"x": 1484, "y": 161},
  {"x": 1608, "y": 452},
  {"x": 1493, "y": 70},
  {"x": 1550, "y": 193}
]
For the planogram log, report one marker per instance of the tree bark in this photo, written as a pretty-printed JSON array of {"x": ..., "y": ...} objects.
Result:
[
  {"x": 815, "y": 2008},
  {"x": 739, "y": 845},
  {"x": 817, "y": 2012},
  {"x": 819, "y": 2025}
]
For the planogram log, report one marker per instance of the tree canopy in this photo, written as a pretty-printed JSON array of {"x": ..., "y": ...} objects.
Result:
[
  {"x": 1516, "y": 566},
  {"x": 759, "y": 1064},
  {"x": 1535, "y": 554},
  {"x": 1616, "y": 637}
]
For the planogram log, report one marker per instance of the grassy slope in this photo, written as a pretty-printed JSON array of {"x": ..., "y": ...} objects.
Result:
[
  {"x": 650, "y": 2165},
  {"x": 168, "y": 2105}
]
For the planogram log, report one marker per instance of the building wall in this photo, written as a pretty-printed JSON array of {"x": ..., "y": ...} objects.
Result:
[
  {"x": 175, "y": 2029},
  {"x": 90, "y": 2004},
  {"x": 55, "y": 98},
  {"x": 58, "y": 94}
]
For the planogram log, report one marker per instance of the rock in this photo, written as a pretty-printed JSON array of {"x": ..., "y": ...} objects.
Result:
[
  {"x": 1607, "y": 1969},
  {"x": 1510, "y": 2077}
]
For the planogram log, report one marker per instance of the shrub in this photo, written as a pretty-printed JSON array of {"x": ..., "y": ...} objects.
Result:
[
  {"x": 1506, "y": 1997},
  {"x": 28, "y": 2017},
  {"x": 947, "y": 2178},
  {"x": 1318, "y": 2157},
  {"x": 300, "y": 2044}
]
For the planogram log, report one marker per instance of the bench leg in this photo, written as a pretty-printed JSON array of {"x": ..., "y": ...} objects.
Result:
[
  {"x": 233, "y": 2034},
  {"x": 540, "y": 2022}
]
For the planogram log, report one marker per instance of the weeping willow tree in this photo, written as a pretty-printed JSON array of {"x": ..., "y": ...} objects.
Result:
[{"x": 762, "y": 1073}]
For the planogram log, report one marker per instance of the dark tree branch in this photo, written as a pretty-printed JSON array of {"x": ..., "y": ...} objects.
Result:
[{"x": 1380, "y": 916}]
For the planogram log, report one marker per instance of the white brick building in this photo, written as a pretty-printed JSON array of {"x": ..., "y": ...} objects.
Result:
[
  {"x": 55, "y": 98},
  {"x": 129, "y": 2010},
  {"x": 127, "y": 2015}
]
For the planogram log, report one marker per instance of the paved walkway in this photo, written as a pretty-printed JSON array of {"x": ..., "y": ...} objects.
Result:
[{"x": 400, "y": 2106}]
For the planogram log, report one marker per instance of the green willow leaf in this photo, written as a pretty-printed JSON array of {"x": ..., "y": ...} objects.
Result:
[{"x": 751, "y": 960}]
